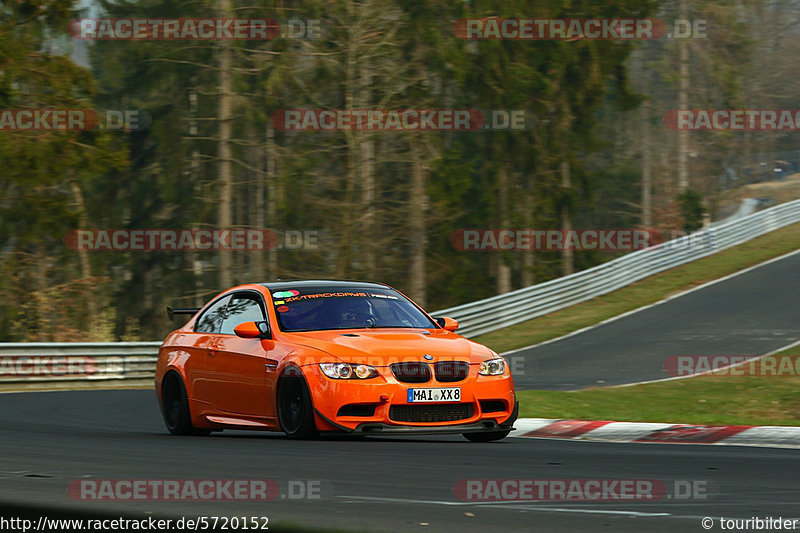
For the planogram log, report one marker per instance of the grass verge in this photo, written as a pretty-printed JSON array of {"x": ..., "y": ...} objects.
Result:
[
  {"x": 645, "y": 292},
  {"x": 761, "y": 399}
]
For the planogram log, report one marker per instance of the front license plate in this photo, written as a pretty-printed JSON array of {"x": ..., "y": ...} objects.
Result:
[{"x": 452, "y": 394}]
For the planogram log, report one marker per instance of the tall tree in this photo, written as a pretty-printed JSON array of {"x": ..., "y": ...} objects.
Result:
[
  {"x": 225, "y": 117},
  {"x": 48, "y": 291}
]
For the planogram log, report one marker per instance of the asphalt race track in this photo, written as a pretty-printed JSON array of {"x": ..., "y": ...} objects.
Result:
[
  {"x": 51, "y": 438},
  {"x": 750, "y": 314}
]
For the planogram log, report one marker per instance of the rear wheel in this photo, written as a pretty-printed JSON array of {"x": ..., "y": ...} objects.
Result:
[
  {"x": 175, "y": 407},
  {"x": 487, "y": 436},
  {"x": 295, "y": 410}
]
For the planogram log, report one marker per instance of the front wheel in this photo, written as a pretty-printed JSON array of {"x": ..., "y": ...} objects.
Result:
[
  {"x": 487, "y": 436},
  {"x": 175, "y": 408},
  {"x": 295, "y": 410}
]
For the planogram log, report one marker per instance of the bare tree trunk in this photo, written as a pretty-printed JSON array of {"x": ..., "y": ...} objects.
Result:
[
  {"x": 46, "y": 334},
  {"x": 344, "y": 259},
  {"x": 225, "y": 207},
  {"x": 256, "y": 266},
  {"x": 368, "y": 195},
  {"x": 194, "y": 176},
  {"x": 197, "y": 270},
  {"x": 528, "y": 256},
  {"x": 418, "y": 205},
  {"x": 83, "y": 255},
  {"x": 683, "y": 103},
  {"x": 503, "y": 268},
  {"x": 647, "y": 207},
  {"x": 77, "y": 197},
  {"x": 567, "y": 259},
  {"x": 275, "y": 193},
  {"x": 528, "y": 264},
  {"x": 368, "y": 192}
]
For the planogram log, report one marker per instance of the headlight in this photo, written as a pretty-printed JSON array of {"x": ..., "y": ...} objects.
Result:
[
  {"x": 365, "y": 372},
  {"x": 493, "y": 367},
  {"x": 347, "y": 371}
]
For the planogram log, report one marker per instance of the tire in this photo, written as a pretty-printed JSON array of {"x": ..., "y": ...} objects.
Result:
[
  {"x": 175, "y": 408},
  {"x": 487, "y": 436},
  {"x": 295, "y": 410}
]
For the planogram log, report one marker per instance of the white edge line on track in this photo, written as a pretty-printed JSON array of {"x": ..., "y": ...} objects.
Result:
[
  {"x": 654, "y": 304},
  {"x": 524, "y": 504},
  {"x": 755, "y": 358}
]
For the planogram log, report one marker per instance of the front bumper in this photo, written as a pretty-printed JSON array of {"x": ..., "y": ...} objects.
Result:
[
  {"x": 384, "y": 392},
  {"x": 373, "y": 428}
]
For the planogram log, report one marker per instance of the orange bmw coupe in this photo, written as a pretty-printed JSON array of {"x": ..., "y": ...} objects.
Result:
[{"x": 305, "y": 357}]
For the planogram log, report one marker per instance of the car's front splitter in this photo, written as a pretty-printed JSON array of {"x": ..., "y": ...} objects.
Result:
[
  {"x": 373, "y": 428},
  {"x": 378, "y": 428}
]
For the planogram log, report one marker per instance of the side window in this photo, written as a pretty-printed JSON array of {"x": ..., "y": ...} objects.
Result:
[
  {"x": 243, "y": 308},
  {"x": 211, "y": 320}
]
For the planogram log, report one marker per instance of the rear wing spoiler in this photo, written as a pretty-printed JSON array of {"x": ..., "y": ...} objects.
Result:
[{"x": 171, "y": 312}]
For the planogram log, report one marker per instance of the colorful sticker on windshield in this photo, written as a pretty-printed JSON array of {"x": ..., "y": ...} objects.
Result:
[
  {"x": 283, "y": 308},
  {"x": 279, "y": 302},
  {"x": 285, "y": 294},
  {"x": 325, "y": 295}
]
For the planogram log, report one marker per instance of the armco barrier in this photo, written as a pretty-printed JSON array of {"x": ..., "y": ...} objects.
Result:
[
  {"x": 505, "y": 310},
  {"x": 45, "y": 362},
  {"x": 63, "y": 362}
]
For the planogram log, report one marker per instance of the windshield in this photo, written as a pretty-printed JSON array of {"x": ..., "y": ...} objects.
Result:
[{"x": 338, "y": 308}]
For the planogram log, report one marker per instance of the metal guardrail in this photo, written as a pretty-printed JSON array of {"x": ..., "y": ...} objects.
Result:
[
  {"x": 64, "y": 362},
  {"x": 36, "y": 363},
  {"x": 490, "y": 314}
]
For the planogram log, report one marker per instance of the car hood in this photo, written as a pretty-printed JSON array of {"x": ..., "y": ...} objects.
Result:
[{"x": 385, "y": 346}]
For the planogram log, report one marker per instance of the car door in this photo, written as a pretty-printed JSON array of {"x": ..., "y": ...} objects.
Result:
[
  {"x": 239, "y": 386},
  {"x": 200, "y": 367}
]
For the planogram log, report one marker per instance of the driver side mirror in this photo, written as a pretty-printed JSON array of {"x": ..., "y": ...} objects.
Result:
[
  {"x": 252, "y": 330},
  {"x": 447, "y": 323}
]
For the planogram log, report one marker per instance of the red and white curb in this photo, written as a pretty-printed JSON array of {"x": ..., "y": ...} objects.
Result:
[{"x": 602, "y": 430}]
